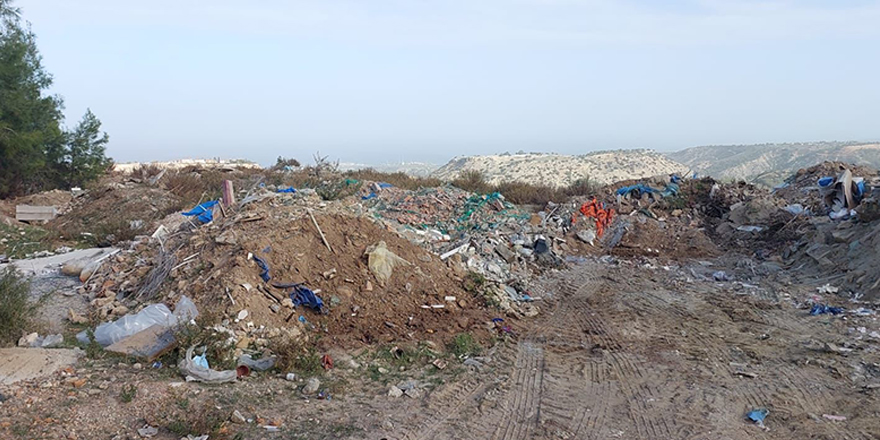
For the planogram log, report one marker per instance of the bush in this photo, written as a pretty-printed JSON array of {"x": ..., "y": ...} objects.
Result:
[
  {"x": 399, "y": 179},
  {"x": 16, "y": 311},
  {"x": 463, "y": 345},
  {"x": 295, "y": 356},
  {"x": 522, "y": 193}
]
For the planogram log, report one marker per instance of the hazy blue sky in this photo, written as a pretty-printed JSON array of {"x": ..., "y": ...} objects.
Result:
[{"x": 387, "y": 80}]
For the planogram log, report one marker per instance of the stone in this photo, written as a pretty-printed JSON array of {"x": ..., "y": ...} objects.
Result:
[
  {"x": 312, "y": 386},
  {"x": 395, "y": 392},
  {"x": 287, "y": 303},
  {"x": 28, "y": 340},
  {"x": 137, "y": 366},
  {"x": 369, "y": 287}
]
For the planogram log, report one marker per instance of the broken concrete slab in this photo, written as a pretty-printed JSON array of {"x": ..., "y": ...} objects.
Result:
[
  {"x": 19, "y": 364},
  {"x": 28, "y": 213},
  {"x": 50, "y": 265}
]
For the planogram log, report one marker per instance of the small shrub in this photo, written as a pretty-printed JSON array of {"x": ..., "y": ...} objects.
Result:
[
  {"x": 17, "y": 312},
  {"x": 129, "y": 392},
  {"x": 399, "y": 179},
  {"x": 294, "y": 356},
  {"x": 464, "y": 344},
  {"x": 473, "y": 181}
]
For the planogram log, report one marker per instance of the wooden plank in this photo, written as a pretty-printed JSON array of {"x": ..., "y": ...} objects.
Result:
[
  {"x": 148, "y": 344},
  {"x": 26, "y": 213},
  {"x": 228, "y": 194}
]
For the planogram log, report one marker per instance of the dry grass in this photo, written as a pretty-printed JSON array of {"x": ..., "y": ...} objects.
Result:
[{"x": 524, "y": 193}]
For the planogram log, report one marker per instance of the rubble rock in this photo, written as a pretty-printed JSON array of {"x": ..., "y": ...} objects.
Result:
[{"x": 394, "y": 391}]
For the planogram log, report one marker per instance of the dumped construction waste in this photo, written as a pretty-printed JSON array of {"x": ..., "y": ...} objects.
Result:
[{"x": 671, "y": 307}]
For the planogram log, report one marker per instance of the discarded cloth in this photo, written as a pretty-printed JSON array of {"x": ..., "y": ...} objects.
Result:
[
  {"x": 596, "y": 209},
  {"x": 821, "y": 309},
  {"x": 264, "y": 268},
  {"x": 289, "y": 189},
  {"x": 204, "y": 211},
  {"x": 302, "y": 295}
]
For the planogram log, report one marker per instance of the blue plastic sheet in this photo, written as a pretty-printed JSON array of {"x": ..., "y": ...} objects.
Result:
[
  {"x": 369, "y": 196},
  {"x": 636, "y": 190},
  {"x": 384, "y": 185},
  {"x": 289, "y": 189},
  {"x": 821, "y": 309},
  {"x": 264, "y": 268},
  {"x": 204, "y": 212},
  {"x": 758, "y": 415},
  {"x": 825, "y": 182}
]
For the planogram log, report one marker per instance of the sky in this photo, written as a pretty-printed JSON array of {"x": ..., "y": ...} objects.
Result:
[{"x": 416, "y": 80}]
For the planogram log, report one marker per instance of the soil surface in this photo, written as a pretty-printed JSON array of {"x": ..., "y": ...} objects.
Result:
[{"x": 623, "y": 349}]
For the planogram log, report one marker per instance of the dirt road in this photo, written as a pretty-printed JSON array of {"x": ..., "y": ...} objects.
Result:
[{"x": 627, "y": 355}]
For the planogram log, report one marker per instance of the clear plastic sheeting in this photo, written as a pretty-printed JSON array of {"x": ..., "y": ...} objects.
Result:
[{"x": 157, "y": 314}]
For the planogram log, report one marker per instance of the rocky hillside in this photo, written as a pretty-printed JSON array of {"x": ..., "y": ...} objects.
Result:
[
  {"x": 770, "y": 164},
  {"x": 561, "y": 170}
]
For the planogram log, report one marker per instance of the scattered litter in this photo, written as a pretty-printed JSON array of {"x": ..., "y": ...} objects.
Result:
[
  {"x": 197, "y": 373},
  {"x": 834, "y": 417},
  {"x": 721, "y": 276},
  {"x": 204, "y": 211},
  {"x": 758, "y": 415},
  {"x": 821, "y": 309},
  {"x": 148, "y": 431},
  {"x": 155, "y": 314}
]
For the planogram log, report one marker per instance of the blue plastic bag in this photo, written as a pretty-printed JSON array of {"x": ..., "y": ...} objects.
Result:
[
  {"x": 204, "y": 212},
  {"x": 289, "y": 189}
]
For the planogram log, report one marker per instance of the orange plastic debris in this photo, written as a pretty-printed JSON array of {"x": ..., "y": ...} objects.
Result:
[{"x": 596, "y": 209}]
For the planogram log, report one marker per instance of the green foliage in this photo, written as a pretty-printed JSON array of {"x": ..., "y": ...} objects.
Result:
[
  {"x": 464, "y": 344},
  {"x": 295, "y": 356},
  {"x": 83, "y": 158},
  {"x": 129, "y": 392},
  {"x": 35, "y": 153},
  {"x": 16, "y": 311}
]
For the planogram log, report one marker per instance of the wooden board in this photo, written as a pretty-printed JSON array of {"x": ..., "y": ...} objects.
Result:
[
  {"x": 147, "y": 344},
  {"x": 27, "y": 213}
]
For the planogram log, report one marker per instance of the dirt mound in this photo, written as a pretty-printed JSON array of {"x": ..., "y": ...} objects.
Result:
[
  {"x": 361, "y": 309},
  {"x": 212, "y": 266},
  {"x": 114, "y": 212},
  {"x": 55, "y": 197}
]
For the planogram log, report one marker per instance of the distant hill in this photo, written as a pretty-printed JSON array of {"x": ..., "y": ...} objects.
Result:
[
  {"x": 416, "y": 169},
  {"x": 770, "y": 164},
  {"x": 560, "y": 170}
]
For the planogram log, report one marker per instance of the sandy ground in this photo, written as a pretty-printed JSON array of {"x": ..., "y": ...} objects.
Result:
[{"x": 622, "y": 350}]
